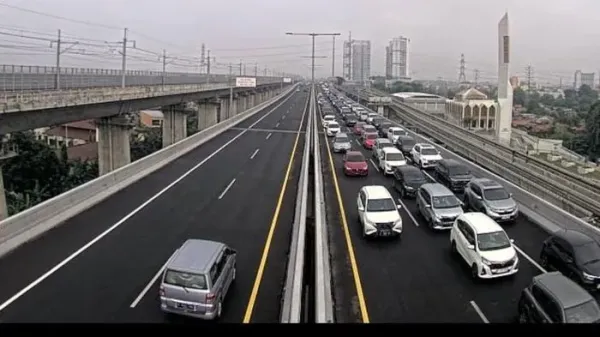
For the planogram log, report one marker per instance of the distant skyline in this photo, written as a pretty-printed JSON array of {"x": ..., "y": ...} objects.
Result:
[{"x": 555, "y": 37}]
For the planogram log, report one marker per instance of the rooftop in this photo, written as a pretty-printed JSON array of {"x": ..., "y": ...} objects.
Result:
[
  {"x": 195, "y": 256},
  {"x": 416, "y": 95},
  {"x": 483, "y": 223},
  {"x": 470, "y": 94}
]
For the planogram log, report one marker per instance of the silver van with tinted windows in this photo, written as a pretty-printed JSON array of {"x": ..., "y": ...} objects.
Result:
[{"x": 196, "y": 279}]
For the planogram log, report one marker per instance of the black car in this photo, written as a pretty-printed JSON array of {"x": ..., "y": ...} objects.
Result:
[
  {"x": 384, "y": 124},
  {"x": 405, "y": 144},
  {"x": 574, "y": 254},
  {"x": 351, "y": 121},
  {"x": 407, "y": 179},
  {"x": 553, "y": 298},
  {"x": 453, "y": 174},
  {"x": 384, "y": 130},
  {"x": 377, "y": 121}
]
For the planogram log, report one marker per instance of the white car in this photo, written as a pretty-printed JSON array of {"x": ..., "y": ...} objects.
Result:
[
  {"x": 484, "y": 246},
  {"x": 332, "y": 129},
  {"x": 327, "y": 119},
  {"x": 425, "y": 155},
  {"x": 370, "y": 117},
  {"x": 389, "y": 159},
  {"x": 378, "y": 212},
  {"x": 394, "y": 132}
]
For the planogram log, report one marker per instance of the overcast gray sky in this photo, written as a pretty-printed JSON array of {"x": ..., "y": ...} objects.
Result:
[{"x": 555, "y": 36}]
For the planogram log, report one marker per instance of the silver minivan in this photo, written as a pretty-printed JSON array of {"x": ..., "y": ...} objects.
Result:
[
  {"x": 196, "y": 279},
  {"x": 438, "y": 205}
]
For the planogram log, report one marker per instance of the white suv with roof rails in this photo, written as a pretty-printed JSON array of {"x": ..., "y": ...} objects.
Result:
[
  {"x": 425, "y": 155},
  {"x": 484, "y": 246},
  {"x": 390, "y": 158},
  {"x": 378, "y": 213}
]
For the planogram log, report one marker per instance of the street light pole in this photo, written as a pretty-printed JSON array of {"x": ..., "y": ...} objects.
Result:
[{"x": 313, "y": 35}]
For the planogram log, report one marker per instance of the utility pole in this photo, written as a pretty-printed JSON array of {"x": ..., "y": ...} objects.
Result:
[
  {"x": 265, "y": 71},
  {"x": 529, "y": 74},
  {"x": 231, "y": 84},
  {"x": 476, "y": 75},
  {"x": 208, "y": 66},
  {"x": 333, "y": 58},
  {"x": 313, "y": 35},
  {"x": 59, "y": 52},
  {"x": 124, "y": 63},
  {"x": 241, "y": 67},
  {"x": 202, "y": 58},
  {"x": 462, "y": 78},
  {"x": 164, "y": 58},
  {"x": 255, "y": 69}
]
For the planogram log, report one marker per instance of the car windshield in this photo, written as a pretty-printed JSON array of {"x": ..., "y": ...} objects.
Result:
[
  {"x": 342, "y": 139},
  {"x": 408, "y": 142},
  {"x": 329, "y": 118},
  {"x": 428, "y": 151},
  {"x": 355, "y": 158},
  {"x": 360, "y": 124},
  {"x": 459, "y": 170},
  {"x": 446, "y": 201},
  {"x": 394, "y": 157},
  {"x": 369, "y": 128},
  {"x": 383, "y": 145},
  {"x": 414, "y": 177},
  {"x": 492, "y": 241},
  {"x": 380, "y": 205},
  {"x": 587, "y": 312},
  {"x": 333, "y": 125},
  {"x": 495, "y": 194},
  {"x": 398, "y": 132},
  {"x": 587, "y": 253},
  {"x": 186, "y": 280},
  {"x": 371, "y": 136}
]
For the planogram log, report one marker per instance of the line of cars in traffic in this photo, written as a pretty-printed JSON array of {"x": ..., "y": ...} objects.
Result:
[{"x": 476, "y": 236}]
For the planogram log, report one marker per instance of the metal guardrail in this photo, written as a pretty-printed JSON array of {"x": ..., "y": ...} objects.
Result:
[
  {"x": 33, "y": 222},
  {"x": 292, "y": 299},
  {"x": 25, "y": 78},
  {"x": 577, "y": 193},
  {"x": 27, "y": 101},
  {"x": 323, "y": 294}
]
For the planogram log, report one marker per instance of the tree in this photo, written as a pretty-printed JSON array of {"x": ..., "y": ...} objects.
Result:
[
  {"x": 519, "y": 97},
  {"x": 593, "y": 131},
  {"x": 145, "y": 141}
]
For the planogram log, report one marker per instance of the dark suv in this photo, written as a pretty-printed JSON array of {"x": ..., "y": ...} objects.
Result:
[
  {"x": 553, "y": 298},
  {"x": 453, "y": 174},
  {"x": 405, "y": 144},
  {"x": 407, "y": 179},
  {"x": 574, "y": 254}
]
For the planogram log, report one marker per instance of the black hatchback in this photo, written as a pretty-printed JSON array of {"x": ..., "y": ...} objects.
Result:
[
  {"x": 407, "y": 179},
  {"x": 574, "y": 254}
]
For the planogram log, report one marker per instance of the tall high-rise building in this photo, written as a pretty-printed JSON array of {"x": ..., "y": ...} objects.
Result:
[
  {"x": 397, "y": 58},
  {"x": 357, "y": 60},
  {"x": 505, "y": 91}
]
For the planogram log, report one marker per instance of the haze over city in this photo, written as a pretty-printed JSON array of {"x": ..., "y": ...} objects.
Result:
[{"x": 555, "y": 37}]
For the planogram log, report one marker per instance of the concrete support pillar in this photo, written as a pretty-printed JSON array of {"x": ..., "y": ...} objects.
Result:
[
  {"x": 3, "y": 206},
  {"x": 207, "y": 114},
  {"x": 251, "y": 101},
  {"x": 233, "y": 107},
  {"x": 113, "y": 143},
  {"x": 241, "y": 104},
  {"x": 224, "y": 110},
  {"x": 174, "y": 124}
]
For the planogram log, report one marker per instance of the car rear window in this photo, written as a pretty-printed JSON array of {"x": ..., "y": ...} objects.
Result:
[
  {"x": 588, "y": 312},
  {"x": 186, "y": 280}
]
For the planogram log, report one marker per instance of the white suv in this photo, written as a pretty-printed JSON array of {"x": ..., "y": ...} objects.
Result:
[
  {"x": 332, "y": 128},
  {"x": 378, "y": 212},
  {"x": 425, "y": 155},
  {"x": 484, "y": 246}
]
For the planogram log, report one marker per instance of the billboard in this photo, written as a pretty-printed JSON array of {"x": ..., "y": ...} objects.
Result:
[
  {"x": 287, "y": 80},
  {"x": 246, "y": 82}
]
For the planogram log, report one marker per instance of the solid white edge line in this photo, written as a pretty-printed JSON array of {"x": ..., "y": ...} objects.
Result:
[
  {"x": 479, "y": 312},
  {"x": 226, "y": 189},
  {"x": 148, "y": 286},
  {"x": 269, "y": 135},
  {"x": 375, "y": 166},
  {"x": 131, "y": 214},
  {"x": 254, "y": 154}
]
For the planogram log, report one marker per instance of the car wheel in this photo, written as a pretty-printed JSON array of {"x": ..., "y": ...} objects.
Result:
[
  {"x": 233, "y": 272},
  {"x": 522, "y": 317},
  {"x": 402, "y": 193},
  {"x": 474, "y": 272},
  {"x": 453, "y": 247},
  {"x": 466, "y": 201},
  {"x": 219, "y": 309},
  {"x": 544, "y": 261}
]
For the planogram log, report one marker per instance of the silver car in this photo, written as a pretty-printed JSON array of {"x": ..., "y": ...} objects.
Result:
[
  {"x": 341, "y": 143},
  {"x": 196, "y": 279},
  {"x": 489, "y": 197},
  {"x": 438, "y": 205}
]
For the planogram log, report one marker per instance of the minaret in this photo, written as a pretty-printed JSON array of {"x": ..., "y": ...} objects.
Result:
[{"x": 505, "y": 92}]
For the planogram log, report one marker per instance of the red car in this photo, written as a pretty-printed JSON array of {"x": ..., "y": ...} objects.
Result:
[
  {"x": 355, "y": 164},
  {"x": 368, "y": 129},
  {"x": 368, "y": 140},
  {"x": 358, "y": 128}
]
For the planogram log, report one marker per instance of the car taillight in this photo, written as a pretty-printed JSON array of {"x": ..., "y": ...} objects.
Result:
[
  {"x": 210, "y": 298},
  {"x": 161, "y": 291}
]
